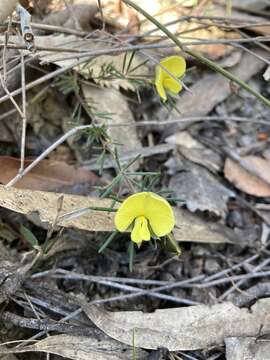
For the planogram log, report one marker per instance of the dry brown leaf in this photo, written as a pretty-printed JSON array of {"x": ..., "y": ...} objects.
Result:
[
  {"x": 80, "y": 348},
  {"x": 201, "y": 190},
  {"x": 196, "y": 152},
  {"x": 48, "y": 175},
  {"x": 247, "y": 182},
  {"x": 188, "y": 227},
  {"x": 185, "y": 328}
]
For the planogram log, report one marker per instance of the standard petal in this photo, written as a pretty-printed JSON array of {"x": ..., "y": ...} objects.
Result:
[
  {"x": 131, "y": 208},
  {"x": 159, "y": 214},
  {"x": 174, "y": 64}
]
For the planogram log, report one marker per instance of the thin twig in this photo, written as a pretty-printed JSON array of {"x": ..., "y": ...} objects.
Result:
[{"x": 24, "y": 117}]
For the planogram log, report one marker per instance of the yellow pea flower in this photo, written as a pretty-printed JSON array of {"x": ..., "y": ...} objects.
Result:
[
  {"x": 176, "y": 65},
  {"x": 144, "y": 209}
]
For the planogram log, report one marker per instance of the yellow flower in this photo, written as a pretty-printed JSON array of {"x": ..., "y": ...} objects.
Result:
[
  {"x": 144, "y": 209},
  {"x": 176, "y": 65}
]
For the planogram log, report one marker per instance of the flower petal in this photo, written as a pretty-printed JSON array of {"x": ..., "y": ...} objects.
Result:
[
  {"x": 174, "y": 64},
  {"x": 172, "y": 85},
  {"x": 131, "y": 208},
  {"x": 159, "y": 214},
  {"x": 140, "y": 230},
  {"x": 159, "y": 83}
]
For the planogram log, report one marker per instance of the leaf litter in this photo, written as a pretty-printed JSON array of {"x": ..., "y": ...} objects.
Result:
[{"x": 219, "y": 215}]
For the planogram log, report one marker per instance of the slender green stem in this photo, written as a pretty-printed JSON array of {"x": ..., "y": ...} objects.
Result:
[
  {"x": 131, "y": 252},
  {"x": 99, "y": 208},
  {"x": 107, "y": 241},
  {"x": 199, "y": 56}
]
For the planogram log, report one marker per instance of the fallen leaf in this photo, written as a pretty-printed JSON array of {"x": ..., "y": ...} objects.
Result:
[
  {"x": 247, "y": 182},
  {"x": 48, "y": 175},
  {"x": 196, "y": 152},
  {"x": 28, "y": 202},
  {"x": 200, "y": 190},
  {"x": 247, "y": 348},
  {"x": 185, "y": 328},
  {"x": 80, "y": 348}
]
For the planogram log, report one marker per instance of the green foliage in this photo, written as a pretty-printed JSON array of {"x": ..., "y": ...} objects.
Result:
[{"x": 29, "y": 236}]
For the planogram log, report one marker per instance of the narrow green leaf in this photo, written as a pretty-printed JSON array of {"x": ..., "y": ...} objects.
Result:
[{"x": 29, "y": 236}]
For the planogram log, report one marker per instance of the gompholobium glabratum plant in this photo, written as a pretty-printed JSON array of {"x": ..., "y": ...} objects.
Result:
[
  {"x": 147, "y": 214},
  {"x": 168, "y": 74}
]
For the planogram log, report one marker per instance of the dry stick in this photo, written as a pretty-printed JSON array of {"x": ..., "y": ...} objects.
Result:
[
  {"x": 84, "y": 53},
  {"x": 234, "y": 267},
  {"x": 46, "y": 325},
  {"x": 54, "y": 28},
  {"x": 10, "y": 96},
  {"x": 241, "y": 282},
  {"x": 253, "y": 53},
  {"x": 47, "y": 152},
  {"x": 190, "y": 119},
  {"x": 109, "y": 278},
  {"x": 186, "y": 283},
  {"x": 24, "y": 118},
  {"x": 4, "y": 51},
  {"x": 136, "y": 291},
  {"x": 198, "y": 56}
]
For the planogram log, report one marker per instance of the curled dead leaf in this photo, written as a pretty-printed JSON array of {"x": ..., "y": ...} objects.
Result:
[
  {"x": 80, "y": 348},
  {"x": 186, "y": 328},
  {"x": 188, "y": 227},
  {"x": 247, "y": 182},
  {"x": 49, "y": 175}
]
